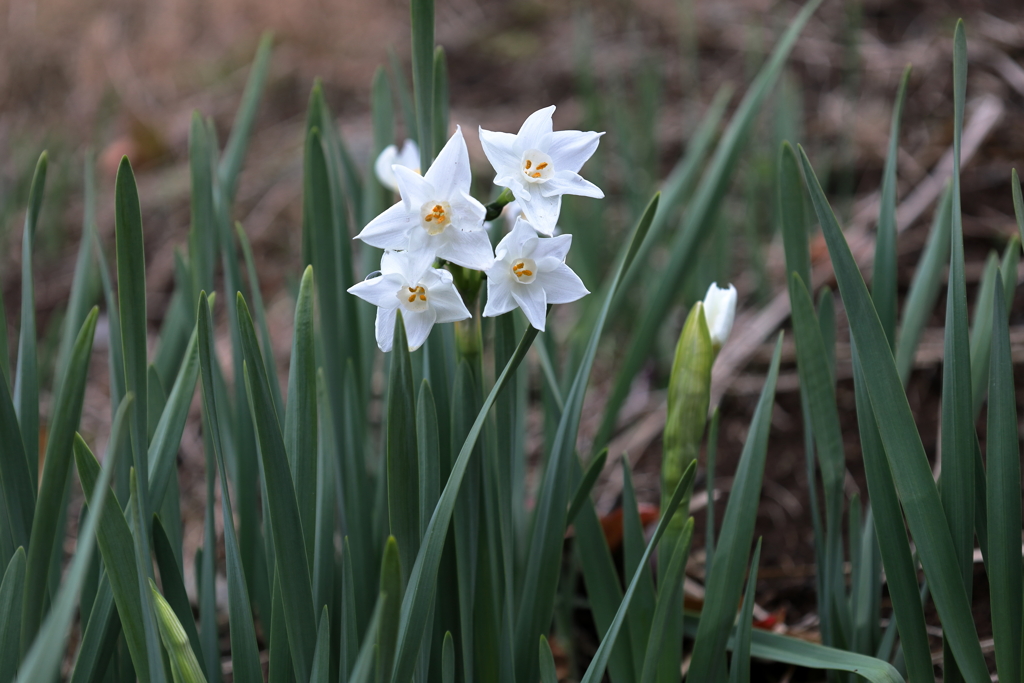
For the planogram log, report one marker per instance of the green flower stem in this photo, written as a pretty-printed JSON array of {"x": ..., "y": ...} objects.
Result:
[{"x": 495, "y": 207}]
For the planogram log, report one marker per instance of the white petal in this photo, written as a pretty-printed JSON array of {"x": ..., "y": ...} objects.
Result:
[
  {"x": 519, "y": 243},
  {"x": 719, "y": 312},
  {"x": 382, "y": 167},
  {"x": 567, "y": 182},
  {"x": 415, "y": 189},
  {"x": 467, "y": 212},
  {"x": 470, "y": 249},
  {"x": 409, "y": 156},
  {"x": 570, "y": 149},
  {"x": 561, "y": 285},
  {"x": 542, "y": 212},
  {"x": 533, "y": 300},
  {"x": 414, "y": 264},
  {"x": 390, "y": 230},
  {"x": 499, "y": 148},
  {"x": 417, "y": 326},
  {"x": 499, "y": 293},
  {"x": 448, "y": 305},
  {"x": 450, "y": 172},
  {"x": 535, "y": 127},
  {"x": 553, "y": 247},
  {"x": 384, "y": 328},
  {"x": 379, "y": 291}
]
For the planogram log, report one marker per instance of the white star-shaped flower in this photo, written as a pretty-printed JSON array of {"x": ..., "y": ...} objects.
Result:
[
  {"x": 530, "y": 272},
  {"x": 539, "y": 165},
  {"x": 409, "y": 157},
  {"x": 436, "y": 214},
  {"x": 423, "y": 294}
]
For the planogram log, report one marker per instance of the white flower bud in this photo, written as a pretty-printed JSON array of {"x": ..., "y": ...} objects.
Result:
[{"x": 719, "y": 311}]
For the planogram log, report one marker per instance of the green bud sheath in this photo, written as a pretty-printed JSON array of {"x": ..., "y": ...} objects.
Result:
[{"x": 689, "y": 394}]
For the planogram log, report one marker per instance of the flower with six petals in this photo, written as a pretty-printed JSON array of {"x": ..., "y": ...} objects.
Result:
[
  {"x": 436, "y": 214},
  {"x": 409, "y": 284},
  {"x": 539, "y": 165},
  {"x": 530, "y": 272}
]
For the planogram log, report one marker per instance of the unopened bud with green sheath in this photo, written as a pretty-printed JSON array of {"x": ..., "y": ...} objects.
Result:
[{"x": 689, "y": 395}]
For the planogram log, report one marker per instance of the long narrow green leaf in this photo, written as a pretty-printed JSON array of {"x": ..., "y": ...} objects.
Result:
[
  {"x": 604, "y": 592},
  {"x": 586, "y": 485},
  {"x": 546, "y": 662},
  {"x": 100, "y": 638},
  {"x": 725, "y": 576},
  {"x": 285, "y": 523},
  {"x": 234, "y": 151},
  {"x": 11, "y": 591},
  {"x": 40, "y": 664},
  {"x": 925, "y": 287},
  {"x": 26, "y": 374},
  {"x": 595, "y": 672},
  {"x": 300, "y": 417},
  {"x": 363, "y": 670},
  {"x": 322, "y": 655},
  {"x": 163, "y": 448},
  {"x": 325, "y": 486},
  {"x": 883, "y": 278},
  {"x": 1004, "y": 501},
  {"x": 82, "y": 295},
  {"x": 244, "y": 650},
  {"x": 422, "y": 19},
  {"x": 771, "y": 646},
  {"x": 898, "y": 432},
  {"x": 957, "y": 486},
  {"x": 402, "y": 458},
  {"x": 422, "y": 579},
  {"x": 542, "y": 567},
  {"x": 16, "y": 488},
  {"x": 699, "y": 220},
  {"x": 131, "y": 301},
  {"x": 467, "y": 525},
  {"x": 184, "y": 665},
  {"x": 981, "y": 331},
  {"x": 143, "y": 567},
  {"x": 816, "y": 380},
  {"x": 642, "y": 610},
  {"x": 261, "y": 312},
  {"x": 740, "y": 663},
  {"x": 391, "y": 599},
  {"x": 893, "y": 545},
  {"x": 440, "y": 98},
  {"x": 118, "y": 550},
  {"x": 670, "y": 594},
  {"x": 54, "y": 479}
]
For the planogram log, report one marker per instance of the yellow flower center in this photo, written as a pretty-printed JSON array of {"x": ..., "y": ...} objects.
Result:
[
  {"x": 413, "y": 299},
  {"x": 435, "y": 217},
  {"x": 524, "y": 270},
  {"x": 536, "y": 166}
]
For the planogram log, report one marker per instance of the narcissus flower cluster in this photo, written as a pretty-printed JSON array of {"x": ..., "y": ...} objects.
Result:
[{"x": 437, "y": 227}]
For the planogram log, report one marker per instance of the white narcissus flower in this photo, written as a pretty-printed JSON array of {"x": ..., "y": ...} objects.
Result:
[
  {"x": 719, "y": 312},
  {"x": 530, "y": 272},
  {"x": 436, "y": 214},
  {"x": 539, "y": 165},
  {"x": 390, "y": 156},
  {"x": 423, "y": 294}
]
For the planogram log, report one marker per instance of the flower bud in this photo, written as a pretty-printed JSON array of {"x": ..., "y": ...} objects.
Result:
[
  {"x": 689, "y": 395},
  {"x": 719, "y": 311}
]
